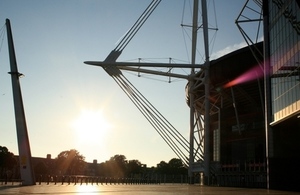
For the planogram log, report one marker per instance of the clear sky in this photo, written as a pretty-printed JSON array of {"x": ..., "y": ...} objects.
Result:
[{"x": 61, "y": 94}]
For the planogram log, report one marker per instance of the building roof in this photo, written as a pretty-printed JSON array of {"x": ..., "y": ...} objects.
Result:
[{"x": 247, "y": 94}]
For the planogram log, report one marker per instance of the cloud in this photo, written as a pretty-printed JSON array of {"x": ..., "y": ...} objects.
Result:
[
  {"x": 231, "y": 48},
  {"x": 227, "y": 50}
]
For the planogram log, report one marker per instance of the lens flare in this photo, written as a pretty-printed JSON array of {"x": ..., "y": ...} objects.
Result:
[{"x": 249, "y": 75}]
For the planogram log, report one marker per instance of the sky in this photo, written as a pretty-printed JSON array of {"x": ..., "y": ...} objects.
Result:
[{"x": 71, "y": 105}]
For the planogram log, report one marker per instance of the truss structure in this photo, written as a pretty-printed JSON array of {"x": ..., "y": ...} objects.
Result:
[
  {"x": 194, "y": 152},
  {"x": 251, "y": 13}
]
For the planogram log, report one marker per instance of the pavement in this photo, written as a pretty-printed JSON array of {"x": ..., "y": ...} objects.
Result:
[{"x": 149, "y": 189}]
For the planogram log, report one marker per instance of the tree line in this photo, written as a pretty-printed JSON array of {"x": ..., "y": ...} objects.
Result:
[{"x": 71, "y": 162}]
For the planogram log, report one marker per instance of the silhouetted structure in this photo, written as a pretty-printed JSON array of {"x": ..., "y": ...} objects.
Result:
[
  {"x": 237, "y": 134},
  {"x": 254, "y": 127},
  {"x": 282, "y": 57}
]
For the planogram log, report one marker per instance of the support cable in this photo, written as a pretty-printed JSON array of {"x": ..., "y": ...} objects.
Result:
[
  {"x": 137, "y": 25},
  {"x": 170, "y": 135},
  {"x": 179, "y": 145},
  {"x": 2, "y": 34}
]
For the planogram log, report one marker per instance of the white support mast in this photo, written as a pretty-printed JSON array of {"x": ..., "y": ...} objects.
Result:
[{"x": 26, "y": 170}]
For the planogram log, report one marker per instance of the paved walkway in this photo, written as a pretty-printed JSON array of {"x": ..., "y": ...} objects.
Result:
[{"x": 135, "y": 189}]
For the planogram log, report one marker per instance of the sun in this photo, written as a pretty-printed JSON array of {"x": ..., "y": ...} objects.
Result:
[{"x": 91, "y": 126}]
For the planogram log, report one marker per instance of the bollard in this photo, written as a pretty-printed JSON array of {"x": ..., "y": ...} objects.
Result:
[{"x": 40, "y": 181}]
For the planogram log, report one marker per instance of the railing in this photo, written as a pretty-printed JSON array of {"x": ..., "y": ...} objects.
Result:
[
  {"x": 100, "y": 180},
  {"x": 248, "y": 174},
  {"x": 10, "y": 181}
]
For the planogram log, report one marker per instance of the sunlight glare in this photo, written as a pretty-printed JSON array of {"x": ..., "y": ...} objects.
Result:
[
  {"x": 86, "y": 189},
  {"x": 91, "y": 126}
]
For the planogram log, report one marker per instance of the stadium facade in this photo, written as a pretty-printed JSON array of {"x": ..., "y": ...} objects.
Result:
[
  {"x": 237, "y": 137},
  {"x": 255, "y": 106},
  {"x": 282, "y": 57}
]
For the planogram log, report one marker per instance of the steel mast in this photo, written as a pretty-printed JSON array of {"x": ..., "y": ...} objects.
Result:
[
  {"x": 207, "y": 94},
  {"x": 191, "y": 91},
  {"x": 198, "y": 157},
  {"x": 205, "y": 165}
]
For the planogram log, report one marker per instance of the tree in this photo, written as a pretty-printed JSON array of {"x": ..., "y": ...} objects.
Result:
[
  {"x": 163, "y": 167},
  {"x": 134, "y": 167},
  {"x": 70, "y": 162},
  {"x": 176, "y": 166},
  {"x": 117, "y": 165},
  {"x": 7, "y": 160}
]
